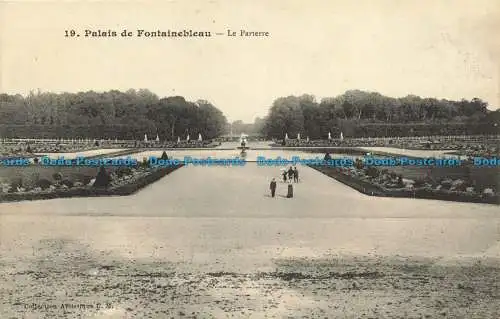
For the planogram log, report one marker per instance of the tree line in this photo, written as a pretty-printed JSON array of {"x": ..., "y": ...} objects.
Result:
[
  {"x": 359, "y": 113},
  {"x": 113, "y": 114},
  {"x": 131, "y": 114},
  {"x": 255, "y": 128}
]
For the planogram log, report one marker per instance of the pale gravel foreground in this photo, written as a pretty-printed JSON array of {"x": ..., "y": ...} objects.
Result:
[{"x": 210, "y": 243}]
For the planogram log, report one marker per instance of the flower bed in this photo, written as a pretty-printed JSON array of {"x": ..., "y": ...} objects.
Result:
[
  {"x": 479, "y": 146},
  {"x": 171, "y": 144},
  {"x": 395, "y": 186},
  {"x": 126, "y": 184}
]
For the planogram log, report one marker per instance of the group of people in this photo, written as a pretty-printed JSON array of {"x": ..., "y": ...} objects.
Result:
[{"x": 292, "y": 176}]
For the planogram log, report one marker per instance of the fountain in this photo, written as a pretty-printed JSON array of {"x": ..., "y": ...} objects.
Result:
[{"x": 243, "y": 143}]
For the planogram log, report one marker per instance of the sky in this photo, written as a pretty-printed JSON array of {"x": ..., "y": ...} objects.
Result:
[{"x": 444, "y": 49}]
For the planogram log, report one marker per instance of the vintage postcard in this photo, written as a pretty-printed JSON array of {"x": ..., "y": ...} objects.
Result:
[{"x": 250, "y": 159}]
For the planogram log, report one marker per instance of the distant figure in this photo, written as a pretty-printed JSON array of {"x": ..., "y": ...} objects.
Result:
[
  {"x": 290, "y": 190},
  {"x": 290, "y": 173},
  {"x": 284, "y": 176},
  {"x": 272, "y": 187},
  {"x": 295, "y": 174}
]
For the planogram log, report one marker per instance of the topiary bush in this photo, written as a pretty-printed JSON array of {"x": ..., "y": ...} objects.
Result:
[
  {"x": 122, "y": 171},
  {"x": 372, "y": 171},
  {"x": 57, "y": 176},
  {"x": 102, "y": 179},
  {"x": 358, "y": 163},
  {"x": 144, "y": 163},
  {"x": 400, "y": 180}
]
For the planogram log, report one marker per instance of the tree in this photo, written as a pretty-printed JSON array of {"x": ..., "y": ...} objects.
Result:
[
  {"x": 285, "y": 117},
  {"x": 112, "y": 114},
  {"x": 361, "y": 113}
]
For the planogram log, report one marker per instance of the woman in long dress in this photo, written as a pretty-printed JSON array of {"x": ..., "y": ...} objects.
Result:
[{"x": 290, "y": 189}]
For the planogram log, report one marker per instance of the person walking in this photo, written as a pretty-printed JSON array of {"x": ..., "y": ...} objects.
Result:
[
  {"x": 284, "y": 176},
  {"x": 295, "y": 174},
  {"x": 290, "y": 189},
  {"x": 290, "y": 173},
  {"x": 272, "y": 187}
]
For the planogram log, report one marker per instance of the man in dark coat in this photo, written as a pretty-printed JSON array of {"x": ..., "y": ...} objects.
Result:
[
  {"x": 272, "y": 186},
  {"x": 295, "y": 174},
  {"x": 290, "y": 173}
]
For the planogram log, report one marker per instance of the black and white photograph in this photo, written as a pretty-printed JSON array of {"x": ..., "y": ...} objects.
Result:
[{"x": 250, "y": 159}]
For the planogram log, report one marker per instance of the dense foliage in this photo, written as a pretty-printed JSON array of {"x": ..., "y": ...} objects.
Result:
[
  {"x": 131, "y": 114},
  {"x": 358, "y": 113},
  {"x": 255, "y": 128},
  {"x": 113, "y": 114}
]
